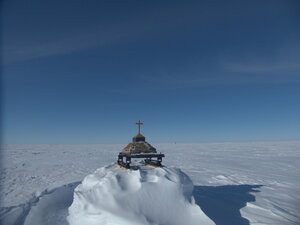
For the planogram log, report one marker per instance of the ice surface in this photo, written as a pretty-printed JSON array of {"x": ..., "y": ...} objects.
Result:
[
  {"x": 113, "y": 195},
  {"x": 252, "y": 183}
]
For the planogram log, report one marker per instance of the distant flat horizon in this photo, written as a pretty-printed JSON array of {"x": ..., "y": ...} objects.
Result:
[{"x": 195, "y": 142}]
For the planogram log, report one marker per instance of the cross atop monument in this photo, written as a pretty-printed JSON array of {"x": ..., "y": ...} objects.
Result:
[
  {"x": 139, "y": 124},
  {"x": 139, "y": 137}
]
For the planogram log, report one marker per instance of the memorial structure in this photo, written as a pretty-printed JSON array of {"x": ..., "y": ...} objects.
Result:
[{"x": 139, "y": 148}]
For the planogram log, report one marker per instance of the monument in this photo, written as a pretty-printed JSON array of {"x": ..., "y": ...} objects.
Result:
[{"x": 139, "y": 148}]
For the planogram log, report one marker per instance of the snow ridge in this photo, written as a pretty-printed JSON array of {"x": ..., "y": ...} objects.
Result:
[{"x": 112, "y": 195}]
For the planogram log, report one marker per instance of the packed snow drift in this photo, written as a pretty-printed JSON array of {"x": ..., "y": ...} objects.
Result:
[
  {"x": 112, "y": 195},
  {"x": 234, "y": 183}
]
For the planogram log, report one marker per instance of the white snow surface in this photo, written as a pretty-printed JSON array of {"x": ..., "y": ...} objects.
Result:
[
  {"x": 112, "y": 195},
  {"x": 234, "y": 183}
]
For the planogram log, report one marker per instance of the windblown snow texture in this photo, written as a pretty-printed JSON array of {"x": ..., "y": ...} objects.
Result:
[
  {"x": 112, "y": 195},
  {"x": 234, "y": 183}
]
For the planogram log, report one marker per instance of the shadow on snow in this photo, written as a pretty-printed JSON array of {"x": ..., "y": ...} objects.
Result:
[
  {"x": 222, "y": 204},
  {"x": 50, "y": 207}
]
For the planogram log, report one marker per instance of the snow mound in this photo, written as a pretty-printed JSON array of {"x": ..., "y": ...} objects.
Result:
[{"x": 115, "y": 196}]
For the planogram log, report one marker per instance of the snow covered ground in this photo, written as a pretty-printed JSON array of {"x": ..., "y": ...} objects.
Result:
[
  {"x": 234, "y": 183},
  {"x": 116, "y": 196}
]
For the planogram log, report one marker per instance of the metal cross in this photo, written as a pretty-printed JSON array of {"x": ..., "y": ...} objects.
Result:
[{"x": 139, "y": 124}]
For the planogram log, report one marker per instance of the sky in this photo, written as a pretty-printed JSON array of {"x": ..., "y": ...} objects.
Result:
[{"x": 83, "y": 72}]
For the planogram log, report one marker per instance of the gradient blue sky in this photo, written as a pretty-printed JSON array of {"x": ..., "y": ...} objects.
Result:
[{"x": 86, "y": 71}]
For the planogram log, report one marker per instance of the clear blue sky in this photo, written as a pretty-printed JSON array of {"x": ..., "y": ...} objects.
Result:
[{"x": 86, "y": 71}]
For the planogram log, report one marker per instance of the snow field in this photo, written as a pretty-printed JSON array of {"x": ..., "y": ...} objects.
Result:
[
  {"x": 112, "y": 195},
  {"x": 234, "y": 183}
]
